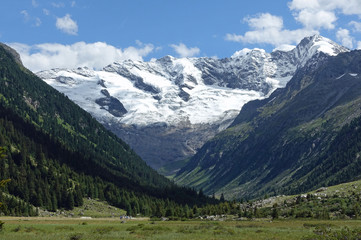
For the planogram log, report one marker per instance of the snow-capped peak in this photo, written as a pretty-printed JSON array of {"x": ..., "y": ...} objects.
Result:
[
  {"x": 173, "y": 90},
  {"x": 310, "y": 46}
]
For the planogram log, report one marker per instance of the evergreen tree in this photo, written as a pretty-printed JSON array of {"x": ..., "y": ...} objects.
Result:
[
  {"x": 222, "y": 198},
  {"x": 54, "y": 202},
  {"x": 70, "y": 201},
  {"x": 275, "y": 211}
]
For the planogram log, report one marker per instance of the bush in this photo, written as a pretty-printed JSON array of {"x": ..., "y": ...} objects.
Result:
[{"x": 76, "y": 236}]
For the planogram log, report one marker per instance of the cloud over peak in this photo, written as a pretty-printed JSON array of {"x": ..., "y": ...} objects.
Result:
[
  {"x": 313, "y": 15},
  {"x": 267, "y": 28},
  {"x": 183, "y": 51},
  {"x": 93, "y": 55}
]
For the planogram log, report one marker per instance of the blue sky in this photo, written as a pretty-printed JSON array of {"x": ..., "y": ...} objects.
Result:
[{"x": 94, "y": 33}]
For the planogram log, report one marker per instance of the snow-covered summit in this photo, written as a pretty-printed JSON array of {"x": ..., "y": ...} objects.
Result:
[
  {"x": 173, "y": 90},
  {"x": 311, "y": 46},
  {"x": 184, "y": 91}
]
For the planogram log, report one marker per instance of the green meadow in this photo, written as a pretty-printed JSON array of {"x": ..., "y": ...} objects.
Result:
[{"x": 112, "y": 228}]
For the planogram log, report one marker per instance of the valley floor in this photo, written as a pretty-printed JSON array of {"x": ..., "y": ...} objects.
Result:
[{"x": 113, "y": 228}]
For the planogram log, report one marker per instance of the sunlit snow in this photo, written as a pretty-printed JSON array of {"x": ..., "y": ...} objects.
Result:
[{"x": 179, "y": 92}]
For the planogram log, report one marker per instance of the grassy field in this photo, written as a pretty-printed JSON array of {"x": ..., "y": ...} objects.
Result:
[{"x": 112, "y": 228}]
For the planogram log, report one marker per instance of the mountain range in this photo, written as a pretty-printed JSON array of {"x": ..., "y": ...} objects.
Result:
[
  {"x": 298, "y": 128},
  {"x": 303, "y": 136},
  {"x": 167, "y": 108}
]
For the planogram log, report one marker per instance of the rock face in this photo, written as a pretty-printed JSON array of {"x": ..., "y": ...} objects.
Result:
[
  {"x": 168, "y": 108},
  {"x": 111, "y": 104},
  {"x": 14, "y": 53}
]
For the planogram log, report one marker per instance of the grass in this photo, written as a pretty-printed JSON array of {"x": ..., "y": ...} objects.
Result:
[
  {"x": 91, "y": 208},
  {"x": 108, "y": 228}
]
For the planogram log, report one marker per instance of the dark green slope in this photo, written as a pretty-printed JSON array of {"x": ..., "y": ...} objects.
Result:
[
  {"x": 287, "y": 143},
  {"x": 32, "y": 99},
  {"x": 57, "y": 153}
]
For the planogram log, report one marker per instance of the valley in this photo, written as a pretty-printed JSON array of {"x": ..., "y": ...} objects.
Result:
[{"x": 180, "y": 120}]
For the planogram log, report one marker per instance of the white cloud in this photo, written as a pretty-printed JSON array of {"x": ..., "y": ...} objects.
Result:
[
  {"x": 302, "y": 4},
  {"x": 93, "y": 55},
  {"x": 284, "y": 47},
  {"x": 316, "y": 14},
  {"x": 67, "y": 25},
  {"x": 359, "y": 45},
  {"x": 25, "y": 15},
  {"x": 356, "y": 26},
  {"x": 242, "y": 52},
  {"x": 37, "y": 22},
  {"x": 311, "y": 19},
  {"x": 34, "y": 3},
  {"x": 314, "y": 17},
  {"x": 348, "y": 7},
  {"x": 264, "y": 21},
  {"x": 267, "y": 28},
  {"x": 46, "y": 12},
  {"x": 73, "y": 3},
  {"x": 58, "y": 4},
  {"x": 183, "y": 51},
  {"x": 343, "y": 35}
]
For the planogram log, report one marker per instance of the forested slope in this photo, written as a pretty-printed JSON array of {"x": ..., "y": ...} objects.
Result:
[{"x": 57, "y": 153}]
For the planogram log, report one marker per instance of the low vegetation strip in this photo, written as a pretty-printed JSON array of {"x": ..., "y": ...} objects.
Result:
[{"x": 111, "y": 228}]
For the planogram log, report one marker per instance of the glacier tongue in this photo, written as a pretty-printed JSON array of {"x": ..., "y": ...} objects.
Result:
[{"x": 201, "y": 96}]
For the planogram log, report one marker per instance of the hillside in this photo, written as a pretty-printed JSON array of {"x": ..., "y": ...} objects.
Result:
[
  {"x": 302, "y": 137},
  {"x": 340, "y": 201},
  {"x": 57, "y": 153}
]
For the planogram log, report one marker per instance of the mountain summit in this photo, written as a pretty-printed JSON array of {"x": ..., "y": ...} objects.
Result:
[{"x": 169, "y": 107}]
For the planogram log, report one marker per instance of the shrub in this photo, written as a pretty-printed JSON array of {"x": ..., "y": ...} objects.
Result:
[
  {"x": 76, "y": 236},
  {"x": 1, "y": 225}
]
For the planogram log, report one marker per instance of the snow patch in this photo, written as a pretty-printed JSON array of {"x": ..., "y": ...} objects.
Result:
[
  {"x": 280, "y": 82},
  {"x": 241, "y": 53},
  {"x": 340, "y": 76},
  {"x": 284, "y": 48}
]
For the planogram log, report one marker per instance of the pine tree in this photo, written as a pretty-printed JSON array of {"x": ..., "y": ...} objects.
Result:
[
  {"x": 275, "y": 211},
  {"x": 70, "y": 201},
  {"x": 78, "y": 196},
  {"x": 222, "y": 198},
  {"x": 169, "y": 212},
  {"x": 54, "y": 202}
]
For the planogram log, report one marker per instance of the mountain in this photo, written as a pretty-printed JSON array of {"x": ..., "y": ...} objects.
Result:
[
  {"x": 301, "y": 137},
  {"x": 166, "y": 109},
  {"x": 57, "y": 153}
]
